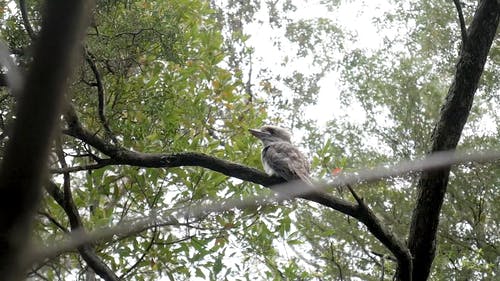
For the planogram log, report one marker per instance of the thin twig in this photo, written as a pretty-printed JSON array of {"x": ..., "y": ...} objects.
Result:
[
  {"x": 382, "y": 276},
  {"x": 67, "y": 203},
  {"x": 86, "y": 250},
  {"x": 355, "y": 195},
  {"x": 141, "y": 258},
  {"x": 388, "y": 257},
  {"x": 100, "y": 95},
  {"x": 54, "y": 221},
  {"x": 100, "y": 164},
  {"x": 463, "y": 29}
]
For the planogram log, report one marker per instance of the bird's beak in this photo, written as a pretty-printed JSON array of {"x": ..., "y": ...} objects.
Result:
[{"x": 258, "y": 133}]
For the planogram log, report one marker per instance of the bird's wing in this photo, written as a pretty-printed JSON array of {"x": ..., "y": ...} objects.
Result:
[{"x": 287, "y": 161}]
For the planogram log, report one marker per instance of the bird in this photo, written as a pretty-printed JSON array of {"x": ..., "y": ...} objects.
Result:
[{"x": 279, "y": 156}]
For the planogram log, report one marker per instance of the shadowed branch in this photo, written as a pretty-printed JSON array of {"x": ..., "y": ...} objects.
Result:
[{"x": 37, "y": 112}]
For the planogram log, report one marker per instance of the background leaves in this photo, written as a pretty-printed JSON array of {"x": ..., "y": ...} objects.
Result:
[{"x": 186, "y": 76}]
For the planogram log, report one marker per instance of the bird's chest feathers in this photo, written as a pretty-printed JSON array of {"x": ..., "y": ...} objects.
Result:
[{"x": 267, "y": 168}]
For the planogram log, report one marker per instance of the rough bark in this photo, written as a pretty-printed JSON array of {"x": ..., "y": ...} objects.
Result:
[
  {"x": 454, "y": 113},
  {"x": 25, "y": 158}
]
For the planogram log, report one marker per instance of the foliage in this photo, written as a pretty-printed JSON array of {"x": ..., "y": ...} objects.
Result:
[{"x": 183, "y": 75}]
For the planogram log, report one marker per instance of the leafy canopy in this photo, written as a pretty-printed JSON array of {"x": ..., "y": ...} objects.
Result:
[{"x": 185, "y": 76}]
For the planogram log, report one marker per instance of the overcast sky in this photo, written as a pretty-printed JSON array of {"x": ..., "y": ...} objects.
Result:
[{"x": 355, "y": 16}]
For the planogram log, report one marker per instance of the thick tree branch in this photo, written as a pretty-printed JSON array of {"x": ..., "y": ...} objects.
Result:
[
  {"x": 38, "y": 108},
  {"x": 122, "y": 156},
  {"x": 289, "y": 190},
  {"x": 454, "y": 113}
]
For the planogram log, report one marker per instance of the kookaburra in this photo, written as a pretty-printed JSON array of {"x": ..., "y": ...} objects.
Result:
[{"x": 279, "y": 156}]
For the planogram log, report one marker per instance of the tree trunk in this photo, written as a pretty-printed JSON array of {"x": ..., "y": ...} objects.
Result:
[{"x": 454, "y": 112}]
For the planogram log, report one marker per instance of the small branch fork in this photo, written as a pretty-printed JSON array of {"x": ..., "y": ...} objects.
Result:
[
  {"x": 384, "y": 235},
  {"x": 85, "y": 250},
  {"x": 65, "y": 200}
]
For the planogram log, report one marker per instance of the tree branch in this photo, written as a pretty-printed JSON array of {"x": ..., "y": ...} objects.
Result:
[
  {"x": 65, "y": 200},
  {"x": 463, "y": 29},
  {"x": 38, "y": 108},
  {"x": 454, "y": 113},
  {"x": 283, "y": 192},
  {"x": 100, "y": 95},
  {"x": 122, "y": 156},
  {"x": 141, "y": 258},
  {"x": 54, "y": 221},
  {"x": 26, "y": 21},
  {"x": 100, "y": 164},
  {"x": 361, "y": 211},
  {"x": 3, "y": 80},
  {"x": 75, "y": 220},
  {"x": 385, "y": 236}
]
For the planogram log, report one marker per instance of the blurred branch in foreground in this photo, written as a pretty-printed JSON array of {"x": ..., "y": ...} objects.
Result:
[{"x": 282, "y": 192}]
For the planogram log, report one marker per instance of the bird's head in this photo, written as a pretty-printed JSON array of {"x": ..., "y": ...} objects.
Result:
[{"x": 270, "y": 134}]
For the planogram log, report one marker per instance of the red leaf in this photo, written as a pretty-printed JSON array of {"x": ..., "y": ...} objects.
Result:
[{"x": 336, "y": 171}]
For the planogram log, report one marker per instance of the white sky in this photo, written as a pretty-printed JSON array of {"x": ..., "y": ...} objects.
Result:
[{"x": 355, "y": 16}]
